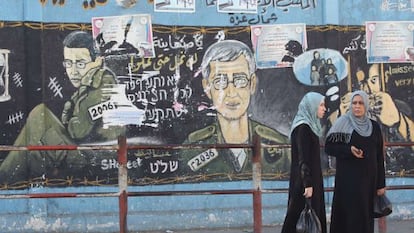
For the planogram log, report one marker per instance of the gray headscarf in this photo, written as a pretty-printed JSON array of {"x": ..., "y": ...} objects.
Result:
[
  {"x": 347, "y": 123},
  {"x": 308, "y": 113}
]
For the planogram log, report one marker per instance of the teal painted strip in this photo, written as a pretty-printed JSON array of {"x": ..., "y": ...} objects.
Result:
[
  {"x": 331, "y": 12},
  {"x": 163, "y": 212},
  {"x": 12, "y": 10},
  {"x": 74, "y": 12},
  {"x": 325, "y": 12}
]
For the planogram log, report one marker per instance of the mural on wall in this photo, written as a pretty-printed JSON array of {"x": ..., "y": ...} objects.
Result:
[
  {"x": 327, "y": 67},
  {"x": 78, "y": 122},
  {"x": 89, "y": 83},
  {"x": 229, "y": 80},
  {"x": 390, "y": 90}
]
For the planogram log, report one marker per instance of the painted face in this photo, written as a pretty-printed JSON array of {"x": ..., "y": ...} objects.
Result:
[
  {"x": 358, "y": 107},
  {"x": 77, "y": 62},
  {"x": 373, "y": 82},
  {"x": 321, "y": 109},
  {"x": 230, "y": 86}
]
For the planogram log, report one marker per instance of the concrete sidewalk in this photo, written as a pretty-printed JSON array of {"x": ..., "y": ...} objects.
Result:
[{"x": 392, "y": 226}]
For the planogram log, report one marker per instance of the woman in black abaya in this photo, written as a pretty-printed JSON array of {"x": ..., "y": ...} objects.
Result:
[
  {"x": 305, "y": 172},
  {"x": 357, "y": 143}
]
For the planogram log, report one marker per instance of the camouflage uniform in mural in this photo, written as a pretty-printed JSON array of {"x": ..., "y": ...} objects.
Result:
[
  {"x": 214, "y": 161},
  {"x": 79, "y": 121},
  {"x": 77, "y": 125},
  {"x": 44, "y": 128}
]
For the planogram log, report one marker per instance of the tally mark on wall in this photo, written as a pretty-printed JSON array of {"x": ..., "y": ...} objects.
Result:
[
  {"x": 15, "y": 118},
  {"x": 55, "y": 87},
  {"x": 17, "y": 79}
]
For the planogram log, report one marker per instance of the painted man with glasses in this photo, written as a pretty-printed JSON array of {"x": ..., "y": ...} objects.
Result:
[
  {"x": 229, "y": 81},
  {"x": 76, "y": 124}
]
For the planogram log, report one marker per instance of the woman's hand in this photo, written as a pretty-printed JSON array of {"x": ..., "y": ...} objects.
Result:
[
  {"x": 357, "y": 152},
  {"x": 308, "y": 192}
]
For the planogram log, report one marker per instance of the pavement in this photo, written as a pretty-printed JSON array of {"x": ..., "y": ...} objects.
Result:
[{"x": 391, "y": 226}]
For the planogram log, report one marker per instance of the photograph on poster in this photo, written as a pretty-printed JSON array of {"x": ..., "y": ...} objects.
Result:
[
  {"x": 278, "y": 45},
  {"x": 390, "y": 41},
  {"x": 124, "y": 35},
  {"x": 4, "y": 75}
]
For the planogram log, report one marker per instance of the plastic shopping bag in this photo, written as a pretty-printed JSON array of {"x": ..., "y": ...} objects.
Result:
[
  {"x": 382, "y": 206},
  {"x": 308, "y": 221}
]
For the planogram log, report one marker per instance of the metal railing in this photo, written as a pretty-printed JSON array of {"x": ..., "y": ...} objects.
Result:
[{"x": 122, "y": 147}]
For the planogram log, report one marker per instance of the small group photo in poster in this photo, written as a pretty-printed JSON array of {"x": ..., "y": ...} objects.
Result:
[
  {"x": 124, "y": 35},
  {"x": 278, "y": 45},
  {"x": 237, "y": 6},
  {"x": 390, "y": 41},
  {"x": 181, "y": 6}
]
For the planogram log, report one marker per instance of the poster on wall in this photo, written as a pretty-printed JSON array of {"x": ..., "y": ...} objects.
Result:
[
  {"x": 237, "y": 6},
  {"x": 123, "y": 35},
  {"x": 390, "y": 41},
  {"x": 4, "y": 75},
  {"x": 171, "y": 99},
  {"x": 182, "y": 6},
  {"x": 278, "y": 45}
]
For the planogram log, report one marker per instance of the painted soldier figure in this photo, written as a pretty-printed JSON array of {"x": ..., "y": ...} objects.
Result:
[
  {"x": 78, "y": 124},
  {"x": 229, "y": 80}
]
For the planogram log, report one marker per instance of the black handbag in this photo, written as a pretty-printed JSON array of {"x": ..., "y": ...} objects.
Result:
[
  {"x": 308, "y": 221},
  {"x": 382, "y": 206}
]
